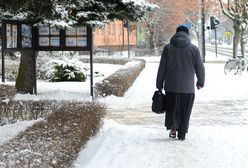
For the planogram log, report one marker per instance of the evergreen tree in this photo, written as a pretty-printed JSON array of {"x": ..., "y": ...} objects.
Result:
[
  {"x": 65, "y": 13},
  {"x": 86, "y": 12}
]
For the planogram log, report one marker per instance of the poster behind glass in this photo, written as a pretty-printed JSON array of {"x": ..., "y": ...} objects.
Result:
[
  {"x": 76, "y": 37},
  {"x": 26, "y": 36},
  {"x": 11, "y": 36}
]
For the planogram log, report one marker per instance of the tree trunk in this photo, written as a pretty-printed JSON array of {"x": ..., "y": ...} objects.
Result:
[
  {"x": 236, "y": 40},
  {"x": 25, "y": 81},
  {"x": 200, "y": 46},
  {"x": 242, "y": 43},
  {"x": 151, "y": 42}
]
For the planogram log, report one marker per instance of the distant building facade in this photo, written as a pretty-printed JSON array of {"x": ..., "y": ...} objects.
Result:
[
  {"x": 178, "y": 12},
  {"x": 114, "y": 36}
]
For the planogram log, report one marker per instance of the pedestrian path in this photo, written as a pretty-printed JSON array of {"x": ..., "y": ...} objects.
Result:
[
  {"x": 210, "y": 107},
  {"x": 132, "y": 136}
]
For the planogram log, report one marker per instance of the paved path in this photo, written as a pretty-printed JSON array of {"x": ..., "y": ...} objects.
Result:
[
  {"x": 133, "y": 110},
  {"x": 217, "y": 130}
]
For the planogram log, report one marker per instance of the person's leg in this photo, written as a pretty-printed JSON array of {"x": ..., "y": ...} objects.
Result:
[
  {"x": 187, "y": 101},
  {"x": 173, "y": 133},
  {"x": 172, "y": 117},
  {"x": 169, "y": 99}
]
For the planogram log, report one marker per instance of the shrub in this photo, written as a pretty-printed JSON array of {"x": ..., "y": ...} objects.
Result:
[
  {"x": 57, "y": 141},
  {"x": 119, "y": 82},
  {"x": 106, "y": 60},
  {"x": 11, "y": 70},
  {"x": 63, "y": 69},
  {"x": 12, "y": 111},
  {"x": 67, "y": 73},
  {"x": 7, "y": 91}
]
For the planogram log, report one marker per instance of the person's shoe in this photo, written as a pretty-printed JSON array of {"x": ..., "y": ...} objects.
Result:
[
  {"x": 173, "y": 133},
  {"x": 181, "y": 136}
]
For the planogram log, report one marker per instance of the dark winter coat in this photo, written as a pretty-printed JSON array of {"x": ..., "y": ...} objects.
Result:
[{"x": 179, "y": 63}]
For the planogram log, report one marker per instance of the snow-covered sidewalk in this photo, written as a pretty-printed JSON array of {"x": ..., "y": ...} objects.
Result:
[
  {"x": 140, "y": 146},
  {"x": 134, "y": 137}
]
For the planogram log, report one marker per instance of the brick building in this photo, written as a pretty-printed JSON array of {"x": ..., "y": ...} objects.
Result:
[
  {"x": 178, "y": 11},
  {"x": 114, "y": 35}
]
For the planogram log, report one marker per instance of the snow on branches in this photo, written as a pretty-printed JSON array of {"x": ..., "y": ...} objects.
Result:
[{"x": 83, "y": 12}]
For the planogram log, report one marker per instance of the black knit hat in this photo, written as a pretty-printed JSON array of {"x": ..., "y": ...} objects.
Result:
[{"x": 183, "y": 28}]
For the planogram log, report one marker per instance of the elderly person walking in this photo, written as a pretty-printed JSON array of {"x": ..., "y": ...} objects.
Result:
[{"x": 179, "y": 63}]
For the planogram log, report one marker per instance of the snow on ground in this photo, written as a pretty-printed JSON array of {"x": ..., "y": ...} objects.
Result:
[
  {"x": 8, "y": 132},
  {"x": 69, "y": 90},
  {"x": 134, "y": 137},
  {"x": 139, "y": 146}
]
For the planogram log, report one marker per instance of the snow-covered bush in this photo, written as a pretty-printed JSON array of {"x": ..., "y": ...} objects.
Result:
[
  {"x": 7, "y": 92},
  {"x": 11, "y": 69},
  {"x": 67, "y": 73},
  {"x": 106, "y": 60},
  {"x": 119, "y": 82},
  {"x": 56, "y": 141},
  {"x": 12, "y": 111},
  {"x": 64, "y": 70}
]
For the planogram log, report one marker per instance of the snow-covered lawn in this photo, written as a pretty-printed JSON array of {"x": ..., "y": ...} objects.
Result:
[{"x": 69, "y": 90}]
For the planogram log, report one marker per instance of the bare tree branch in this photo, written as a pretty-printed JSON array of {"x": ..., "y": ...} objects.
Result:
[{"x": 228, "y": 14}]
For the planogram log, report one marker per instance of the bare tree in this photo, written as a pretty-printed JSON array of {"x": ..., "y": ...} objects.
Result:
[
  {"x": 237, "y": 11},
  {"x": 155, "y": 25},
  {"x": 192, "y": 17}
]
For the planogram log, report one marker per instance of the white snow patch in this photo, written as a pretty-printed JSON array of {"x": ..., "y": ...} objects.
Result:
[
  {"x": 149, "y": 147},
  {"x": 8, "y": 132}
]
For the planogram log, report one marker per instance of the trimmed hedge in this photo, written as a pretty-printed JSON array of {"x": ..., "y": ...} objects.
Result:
[
  {"x": 12, "y": 111},
  {"x": 119, "y": 82},
  {"x": 11, "y": 69},
  {"x": 7, "y": 91},
  {"x": 106, "y": 60},
  {"x": 57, "y": 141}
]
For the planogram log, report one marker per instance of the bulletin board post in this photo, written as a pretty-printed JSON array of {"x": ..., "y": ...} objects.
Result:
[
  {"x": 91, "y": 64},
  {"x": 19, "y": 36},
  {"x": 3, "y": 67}
]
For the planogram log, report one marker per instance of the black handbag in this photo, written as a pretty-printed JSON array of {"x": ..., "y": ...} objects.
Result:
[{"x": 158, "y": 102}]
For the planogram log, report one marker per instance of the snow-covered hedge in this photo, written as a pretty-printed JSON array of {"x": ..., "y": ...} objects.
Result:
[
  {"x": 148, "y": 52},
  {"x": 119, "y": 82},
  {"x": 56, "y": 141},
  {"x": 106, "y": 60},
  {"x": 12, "y": 111},
  {"x": 11, "y": 70},
  {"x": 7, "y": 91}
]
